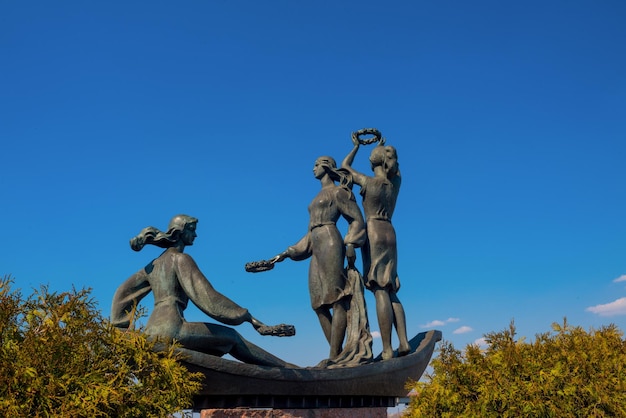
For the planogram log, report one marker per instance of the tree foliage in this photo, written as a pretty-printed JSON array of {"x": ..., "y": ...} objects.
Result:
[
  {"x": 564, "y": 373},
  {"x": 59, "y": 358}
]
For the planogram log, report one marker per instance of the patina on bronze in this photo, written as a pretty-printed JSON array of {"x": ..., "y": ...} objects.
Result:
[
  {"x": 380, "y": 255},
  {"x": 174, "y": 278},
  {"x": 259, "y": 266},
  {"x": 231, "y": 384},
  {"x": 358, "y": 136},
  {"x": 335, "y": 291},
  {"x": 351, "y": 376}
]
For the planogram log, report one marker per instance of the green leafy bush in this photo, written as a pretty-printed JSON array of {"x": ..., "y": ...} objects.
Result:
[
  {"x": 564, "y": 373},
  {"x": 60, "y": 358}
]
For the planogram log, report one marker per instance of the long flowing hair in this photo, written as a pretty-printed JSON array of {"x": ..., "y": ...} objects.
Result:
[
  {"x": 154, "y": 236},
  {"x": 340, "y": 175}
]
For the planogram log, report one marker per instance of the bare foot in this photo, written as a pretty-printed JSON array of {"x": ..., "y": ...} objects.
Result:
[
  {"x": 387, "y": 353},
  {"x": 403, "y": 350}
]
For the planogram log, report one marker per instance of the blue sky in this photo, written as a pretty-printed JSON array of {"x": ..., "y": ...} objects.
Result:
[{"x": 509, "y": 120}]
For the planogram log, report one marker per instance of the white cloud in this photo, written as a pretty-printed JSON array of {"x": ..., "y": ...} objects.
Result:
[
  {"x": 439, "y": 322},
  {"x": 462, "y": 330},
  {"x": 617, "y": 307},
  {"x": 621, "y": 278},
  {"x": 435, "y": 323},
  {"x": 481, "y": 342},
  {"x": 375, "y": 334}
]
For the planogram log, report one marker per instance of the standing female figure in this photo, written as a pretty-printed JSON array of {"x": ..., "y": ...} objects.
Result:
[
  {"x": 174, "y": 278},
  {"x": 327, "y": 249},
  {"x": 380, "y": 255}
]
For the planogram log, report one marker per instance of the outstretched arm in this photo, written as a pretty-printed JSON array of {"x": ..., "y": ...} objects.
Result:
[
  {"x": 297, "y": 252},
  {"x": 216, "y": 305},
  {"x": 205, "y": 297}
]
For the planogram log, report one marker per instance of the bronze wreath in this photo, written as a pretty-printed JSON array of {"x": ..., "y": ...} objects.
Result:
[
  {"x": 259, "y": 266},
  {"x": 357, "y": 136},
  {"x": 281, "y": 330}
]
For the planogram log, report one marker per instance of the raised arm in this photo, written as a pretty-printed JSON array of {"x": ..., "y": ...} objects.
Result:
[{"x": 357, "y": 177}]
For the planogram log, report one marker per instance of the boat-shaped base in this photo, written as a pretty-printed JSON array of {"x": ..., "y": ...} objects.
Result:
[{"x": 230, "y": 384}]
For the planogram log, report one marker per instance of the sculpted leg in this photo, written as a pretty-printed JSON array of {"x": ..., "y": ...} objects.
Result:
[
  {"x": 219, "y": 340},
  {"x": 338, "y": 330},
  {"x": 399, "y": 320},
  {"x": 326, "y": 320},
  {"x": 384, "y": 312}
]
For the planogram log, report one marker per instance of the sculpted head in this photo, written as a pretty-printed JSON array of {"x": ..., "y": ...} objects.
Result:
[
  {"x": 179, "y": 222},
  {"x": 181, "y": 228},
  {"x": 385, "y": 157},
  {"x": 324, "y": 165}
]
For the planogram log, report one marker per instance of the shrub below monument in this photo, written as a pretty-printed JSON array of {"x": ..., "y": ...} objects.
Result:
[
  {"x": 564, "y": 373},
  {"x": 60, "y": 357}
]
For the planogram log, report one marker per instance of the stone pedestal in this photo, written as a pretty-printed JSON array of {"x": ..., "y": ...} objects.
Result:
[{"x": 380, "y": 412}]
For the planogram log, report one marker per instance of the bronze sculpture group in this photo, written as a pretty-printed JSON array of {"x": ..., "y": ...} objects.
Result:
[{"x": 335, "y": 284}]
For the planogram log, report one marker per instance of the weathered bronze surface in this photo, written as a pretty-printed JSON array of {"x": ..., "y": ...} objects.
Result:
[
  {"x": 350, "y": 375},
  {"x": 230, "y": 384},
  {"x": 336, "y": 291},
  {"x": 380, "y": 255},
  {"x": 174, "y": 278}
]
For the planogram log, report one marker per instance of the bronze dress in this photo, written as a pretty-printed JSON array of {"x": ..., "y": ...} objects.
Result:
[
  {"x": 323, "y": 243},
  {"x": 380, "y": 254}
]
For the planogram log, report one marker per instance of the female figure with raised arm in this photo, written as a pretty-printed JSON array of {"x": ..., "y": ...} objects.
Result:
[
  {"x": 327, "y": 249},
  {"x": 174, "y": 278},
  {"x": 380, "y": 256}
]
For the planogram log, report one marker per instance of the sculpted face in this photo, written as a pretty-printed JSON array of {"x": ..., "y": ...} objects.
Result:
[
  {"x": 189, "y": 233},
  {"x": 318, "y": 168}
]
